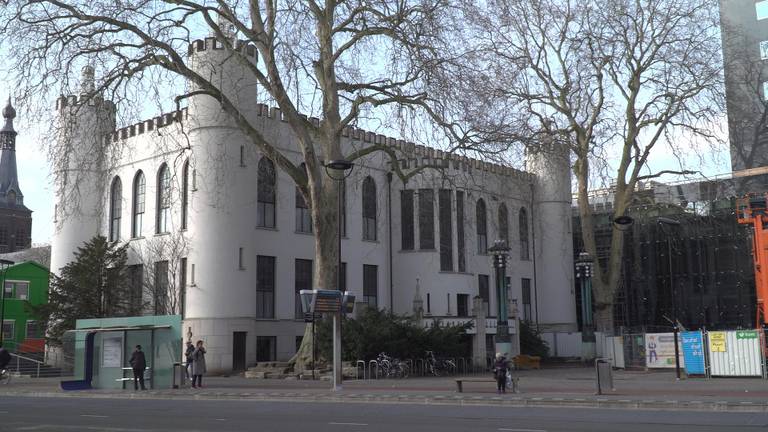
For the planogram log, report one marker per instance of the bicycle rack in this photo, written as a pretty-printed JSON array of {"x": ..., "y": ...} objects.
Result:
[
  {"x": 373, "y": 365},
  {"x": 357, "y": 366}
]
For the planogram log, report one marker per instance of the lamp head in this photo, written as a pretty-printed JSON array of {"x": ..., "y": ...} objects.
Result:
[{"x": 339, "y": 165}]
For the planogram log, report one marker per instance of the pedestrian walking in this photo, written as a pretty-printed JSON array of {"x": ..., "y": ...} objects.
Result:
[
  {"x": 188, "y": 357},
  {"x": 198, "y": 365},
  {"x": 138, "y": 364},
  {"x": 500, "y": 369}
]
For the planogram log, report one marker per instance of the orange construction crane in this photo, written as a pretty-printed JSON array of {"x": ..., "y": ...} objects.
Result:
[{"x": 753, "y": 210}]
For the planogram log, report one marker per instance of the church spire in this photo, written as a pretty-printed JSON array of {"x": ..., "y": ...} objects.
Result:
[
  {"x": 7, "y": 133},
  {"x": 10, "y": 193}
]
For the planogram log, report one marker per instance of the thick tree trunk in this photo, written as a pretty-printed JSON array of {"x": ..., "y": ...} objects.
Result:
[{"x": 325, "y": 223}]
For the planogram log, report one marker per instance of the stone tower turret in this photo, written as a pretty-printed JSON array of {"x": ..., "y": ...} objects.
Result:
[
  {"x": 83, "y": 122},
  {"x": 553, "y": 236}
]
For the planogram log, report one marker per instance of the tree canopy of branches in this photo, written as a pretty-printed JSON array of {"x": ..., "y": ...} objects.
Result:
[
  {"x": 93, "y": 285},
  {"x": 344, "y": 62},
  {"x": 610, "y": 79}
]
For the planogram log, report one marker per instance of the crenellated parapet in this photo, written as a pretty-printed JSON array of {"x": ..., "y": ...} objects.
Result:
[
  {"x": 83, "y": 100},
  {"x": 415, "y": 155},
  {"x": 147, "y": 126},
  {"x": 214, "y": 44}
]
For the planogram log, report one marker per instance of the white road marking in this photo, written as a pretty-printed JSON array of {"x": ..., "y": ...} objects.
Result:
[
  {"x": 220, "y": 419},
  {"x": 522, "y": 430},
  {"x": 93, "y": 416},
  {"x": 348, "y": 424}
]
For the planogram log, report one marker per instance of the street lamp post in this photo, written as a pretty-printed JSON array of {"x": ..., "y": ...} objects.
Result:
[
  {"x": 672, "y": 222},
  {"x": 4, "y": 264},
  {"x": 338, "y": 170},
  {"x": 500, "y": 251},
  {"x": 584, "y": 274}
]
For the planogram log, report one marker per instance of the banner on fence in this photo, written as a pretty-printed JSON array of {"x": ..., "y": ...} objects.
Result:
[
  {"x": 660, "y": 350},
  {"x": 717, "y": 342},
  {"x": 693, "y": 352},
  {"x": 735, "y": 353}
]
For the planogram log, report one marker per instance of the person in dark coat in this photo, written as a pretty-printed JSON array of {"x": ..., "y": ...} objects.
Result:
[
  {"x": 500, "y": 368},
  {"x": 139, "y": 364},
  {"x": 188, "y": 355},
  {"x": 198, "y": 365}
]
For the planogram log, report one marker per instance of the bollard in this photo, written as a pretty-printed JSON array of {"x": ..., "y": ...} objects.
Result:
[{"x": 603, "y": 375}]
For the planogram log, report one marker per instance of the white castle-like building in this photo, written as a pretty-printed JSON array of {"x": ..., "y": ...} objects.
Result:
[{"x": 221, "y": 232}]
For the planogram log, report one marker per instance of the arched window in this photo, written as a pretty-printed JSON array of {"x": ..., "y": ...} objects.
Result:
[
  {"x": 162, "y": 222},
  {"x": 369, "y": 209},
  {"x": 303, "y": 214},
  {"x": 139, "y": 200},
  {"x": 184, "y": 194},
  {"x": 266, "y": 194},
  {"x": 523, "y": 224},
  {"x": 482, "y": 228},
  {"x": 504, "y": 223},
  {"x": 115, "y": 209}
]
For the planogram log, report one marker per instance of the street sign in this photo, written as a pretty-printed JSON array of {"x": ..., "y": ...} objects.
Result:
[{"x": 326, "y": 301}]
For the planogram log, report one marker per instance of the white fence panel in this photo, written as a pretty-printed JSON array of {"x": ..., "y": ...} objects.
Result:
[
  {"x": 617, "y": 346},
  {"x": 735, "y": 353}
]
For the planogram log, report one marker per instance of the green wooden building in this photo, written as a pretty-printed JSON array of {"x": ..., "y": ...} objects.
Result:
[{"x": 24, "y": 282}]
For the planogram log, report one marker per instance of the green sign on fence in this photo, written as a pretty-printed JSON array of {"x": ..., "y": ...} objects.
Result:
[{"x": 746, "y": 334}]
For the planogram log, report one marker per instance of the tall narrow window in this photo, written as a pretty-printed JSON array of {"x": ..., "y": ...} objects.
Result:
[
  {"x": 139, "y": 198},
  {"x": 504, "y": 223},
  {"x": 523, "y": 224},
  {"x": 483, "y": 287},
  {"x": 266, "y": 194},
  {"x": 183, "y": 287},
  {"x": 526, "y": 288},
  {"x": 426, "y": 219},
  {"x": 302, "y": 281},
  {"x": 369, "y": 209},
  {"x": 265, "y": 286},
  {"x": 115, "y": 209},
  {"x": 303, "y": 214},
  {"x": 482, "y": 227},
  {"x": 446, "y": 230},
  {"x": 370, "y": 285},
  {"x": 163, "y": 199},
  {"x": 460, "y": 248},
  {"x": 184, "y": 194},
  {"x": 406, "y": 220},
  {"x": 462, "y": 305},
  {"x": 160, "y": 295}
]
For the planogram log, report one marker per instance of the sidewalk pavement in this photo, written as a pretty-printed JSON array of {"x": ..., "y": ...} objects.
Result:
[{"x": 566, "y": 387}]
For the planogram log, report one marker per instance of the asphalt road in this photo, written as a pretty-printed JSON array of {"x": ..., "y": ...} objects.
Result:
[{"x": 126, "y": 415}]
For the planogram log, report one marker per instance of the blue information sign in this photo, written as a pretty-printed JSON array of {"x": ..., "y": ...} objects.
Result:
[{"x": 693, "y": 352}]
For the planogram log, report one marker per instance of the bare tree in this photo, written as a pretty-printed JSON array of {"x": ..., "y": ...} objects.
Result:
[
  {"x": 343, "y": 62},
  {"x": 610, "y": 79},
  {"x": 163, "y": 283}
]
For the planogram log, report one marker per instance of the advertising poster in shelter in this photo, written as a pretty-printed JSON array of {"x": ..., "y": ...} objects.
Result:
[
  {"x": 112, "y": 352},
  {"x": 660, "y": 350}
]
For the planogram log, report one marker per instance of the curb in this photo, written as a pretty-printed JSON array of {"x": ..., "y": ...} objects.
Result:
[{"x": 415, "y": 399}]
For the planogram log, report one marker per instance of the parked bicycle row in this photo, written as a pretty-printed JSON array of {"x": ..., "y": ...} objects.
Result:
[{"x": 386, "y": 366}]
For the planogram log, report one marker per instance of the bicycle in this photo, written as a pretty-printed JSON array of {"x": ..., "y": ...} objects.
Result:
[{"x": 5, "y": 377}]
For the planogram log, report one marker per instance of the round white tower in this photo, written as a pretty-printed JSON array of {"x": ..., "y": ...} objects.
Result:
[
  {"x": 221, "y": 301},
  {"x": 79, "y": 170},
  {"x": 550, "y": 163}
]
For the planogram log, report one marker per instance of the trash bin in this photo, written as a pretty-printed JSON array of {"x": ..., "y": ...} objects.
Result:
[{"x": 604, "y": 375}]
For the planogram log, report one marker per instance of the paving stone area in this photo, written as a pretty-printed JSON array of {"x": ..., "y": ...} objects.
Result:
[{"x": 568, "y": 387}]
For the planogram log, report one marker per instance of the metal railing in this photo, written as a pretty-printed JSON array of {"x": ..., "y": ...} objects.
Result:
[{"x": 38, "y": 363}]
